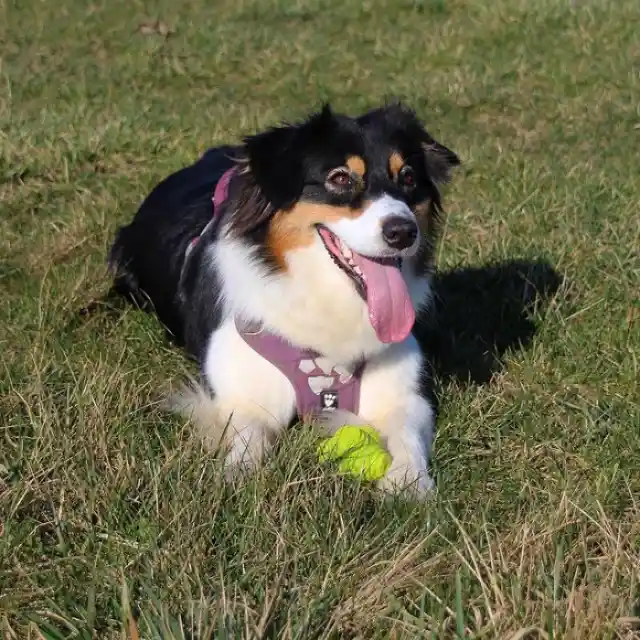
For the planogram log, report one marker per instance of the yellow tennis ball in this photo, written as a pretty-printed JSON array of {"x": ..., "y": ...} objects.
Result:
[{"x": 358, "y": 452}]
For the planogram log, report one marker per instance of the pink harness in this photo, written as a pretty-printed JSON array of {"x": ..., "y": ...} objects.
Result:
[{"x": 319, "y": 386}]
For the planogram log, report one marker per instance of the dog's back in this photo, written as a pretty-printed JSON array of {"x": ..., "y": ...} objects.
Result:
[{"x": 147, "y": 255}]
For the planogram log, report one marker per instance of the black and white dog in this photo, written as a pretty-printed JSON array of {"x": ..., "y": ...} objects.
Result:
[{"x": 292, "y": 267}]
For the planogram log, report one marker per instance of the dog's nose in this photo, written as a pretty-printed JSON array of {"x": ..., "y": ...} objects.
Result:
[{"x": 399, "y": 232}]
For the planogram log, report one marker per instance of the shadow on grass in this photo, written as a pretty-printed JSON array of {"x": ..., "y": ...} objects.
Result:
[
  {"x": 482, "y": 312},
  {"x": 479, "y": 314}
]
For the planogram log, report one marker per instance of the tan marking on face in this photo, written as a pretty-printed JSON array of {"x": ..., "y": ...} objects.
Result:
[
  {"x": 396, "y": 162},
  {"x": 357, "y": 165},
  {"x": 294, "y": 228}
]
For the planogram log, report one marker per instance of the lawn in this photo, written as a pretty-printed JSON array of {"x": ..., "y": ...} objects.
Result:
[{"x": 115, "y": 524}]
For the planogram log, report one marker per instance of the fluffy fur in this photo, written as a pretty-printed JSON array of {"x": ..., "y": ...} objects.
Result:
[{"x": 372, "y": 183}]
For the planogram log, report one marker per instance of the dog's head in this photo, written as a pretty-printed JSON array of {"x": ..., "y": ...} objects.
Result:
[{"x": 364, "y": 189}]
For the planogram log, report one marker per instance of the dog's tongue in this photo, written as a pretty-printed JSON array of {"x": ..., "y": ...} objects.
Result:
[{"x": 390, "y": 309}]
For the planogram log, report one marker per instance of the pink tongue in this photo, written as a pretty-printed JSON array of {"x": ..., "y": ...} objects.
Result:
[{"x": 390, "y": 309}]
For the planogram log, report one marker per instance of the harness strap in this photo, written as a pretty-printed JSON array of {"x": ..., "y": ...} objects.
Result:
[
  {"x": 220, "y": 194},
  {"x": 319, "y": 385}
]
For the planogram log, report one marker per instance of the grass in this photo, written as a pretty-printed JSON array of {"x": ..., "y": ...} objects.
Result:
[{"x": 115, "y": 524}]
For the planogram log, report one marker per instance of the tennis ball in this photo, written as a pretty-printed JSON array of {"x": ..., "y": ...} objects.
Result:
[{"x": 358, "y": 452}]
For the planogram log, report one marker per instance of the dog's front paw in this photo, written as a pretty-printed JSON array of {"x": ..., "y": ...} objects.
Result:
[
  {"x": 407, "y": 480},
  {"x": 245, "y": 451}
]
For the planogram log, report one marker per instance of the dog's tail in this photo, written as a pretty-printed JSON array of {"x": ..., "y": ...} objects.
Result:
[
  {"x": 193, "y": 402},
  {"x": 125, "y": 282}
]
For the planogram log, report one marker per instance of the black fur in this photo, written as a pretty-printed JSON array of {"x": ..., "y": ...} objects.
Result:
[{"x": 147, "y": 255}]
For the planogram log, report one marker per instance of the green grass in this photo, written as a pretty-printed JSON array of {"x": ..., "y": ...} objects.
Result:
[{"x": 114, "y": 522}]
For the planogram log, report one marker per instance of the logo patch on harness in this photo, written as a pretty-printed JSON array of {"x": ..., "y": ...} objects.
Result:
[{"x": 329, "y": 400}]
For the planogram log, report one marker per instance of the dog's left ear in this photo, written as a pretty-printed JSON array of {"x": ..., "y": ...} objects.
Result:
[{"x": 439, "y": 159}]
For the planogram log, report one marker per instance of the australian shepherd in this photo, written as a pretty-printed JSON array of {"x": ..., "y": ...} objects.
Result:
[{"x": 292, "y": 267}]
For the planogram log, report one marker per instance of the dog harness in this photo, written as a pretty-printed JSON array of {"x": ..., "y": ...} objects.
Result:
[{"x": 319, "y": 385}]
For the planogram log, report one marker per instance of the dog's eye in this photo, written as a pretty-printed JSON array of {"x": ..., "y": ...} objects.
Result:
[
  {"x": 339, "y": 180},
  {"x": 407, "y": 177}
]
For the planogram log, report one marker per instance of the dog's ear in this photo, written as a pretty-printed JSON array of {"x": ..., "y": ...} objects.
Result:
[
  {"x": 274, "y": 165},
  {"x": 273, "y": 175},
  {"x": 277, "y": 157},
  {"x": 439, "y": 159}
]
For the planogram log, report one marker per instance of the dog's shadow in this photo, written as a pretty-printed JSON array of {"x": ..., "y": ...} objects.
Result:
[{"x": 480, "y": 313}]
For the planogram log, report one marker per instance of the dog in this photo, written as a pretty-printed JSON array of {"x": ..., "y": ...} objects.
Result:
[{"x": 291, "y": 266}]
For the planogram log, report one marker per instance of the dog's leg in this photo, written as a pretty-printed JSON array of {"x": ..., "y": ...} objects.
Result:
[
  {"x": 391, "y": 399},
  {"x": 410, "y": 447},
  {"x": 251, "y": 402}
]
